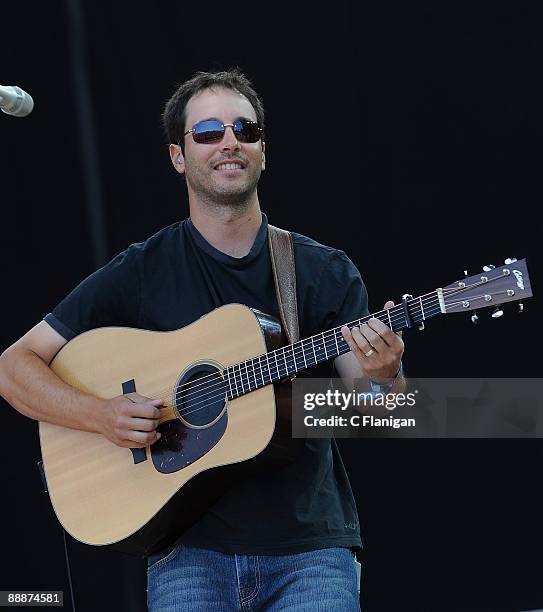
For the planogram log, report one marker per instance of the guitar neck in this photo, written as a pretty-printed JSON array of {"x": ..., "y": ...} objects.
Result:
[{"x": 287, "y": 361}]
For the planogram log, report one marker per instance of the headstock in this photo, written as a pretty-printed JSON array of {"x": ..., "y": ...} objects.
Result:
[{"x": 507, "y": 283}]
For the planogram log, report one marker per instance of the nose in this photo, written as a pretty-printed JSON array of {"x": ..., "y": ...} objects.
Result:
[{"x": 229, "y": 140}]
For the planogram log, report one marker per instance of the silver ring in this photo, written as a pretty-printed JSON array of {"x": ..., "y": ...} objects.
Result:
[{"x": 370, "y": 352}]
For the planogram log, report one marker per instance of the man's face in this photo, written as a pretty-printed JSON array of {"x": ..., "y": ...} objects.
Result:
[{"x": 202, "y": 162}]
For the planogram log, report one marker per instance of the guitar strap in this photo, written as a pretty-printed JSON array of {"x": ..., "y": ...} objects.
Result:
[{"x": 284, "y": 276}]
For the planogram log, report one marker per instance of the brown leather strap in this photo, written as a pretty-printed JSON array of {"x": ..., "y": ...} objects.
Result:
[{"x": 284, "y": 275}]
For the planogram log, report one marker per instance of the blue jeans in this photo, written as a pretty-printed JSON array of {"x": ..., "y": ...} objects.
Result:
[{"x": 186, "y": 579}]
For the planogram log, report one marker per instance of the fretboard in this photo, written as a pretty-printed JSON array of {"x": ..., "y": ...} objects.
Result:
[{"x": 287, "y": 361}]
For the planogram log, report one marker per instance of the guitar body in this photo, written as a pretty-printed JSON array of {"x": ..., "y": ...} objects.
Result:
[{"x": 139, "y": 500}]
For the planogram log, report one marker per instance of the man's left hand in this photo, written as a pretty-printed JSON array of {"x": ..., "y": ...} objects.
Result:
[{"x": 376, "y": 347}]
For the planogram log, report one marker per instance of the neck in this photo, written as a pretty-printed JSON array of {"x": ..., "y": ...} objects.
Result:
[
  {"x": 230, "y": 230},
  {"x": 286, "y": 361}
]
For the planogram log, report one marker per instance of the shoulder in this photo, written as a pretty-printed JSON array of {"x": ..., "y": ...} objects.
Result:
[
  {"x": 156, "y": 249},
  {"x": 157, "y": 244},
  {"x": 310, "y": 252},
  {"x": 131, "y": 262}
]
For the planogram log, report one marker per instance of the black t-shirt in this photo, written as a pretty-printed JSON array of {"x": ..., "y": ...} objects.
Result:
[{"x": 175, "y": 277}]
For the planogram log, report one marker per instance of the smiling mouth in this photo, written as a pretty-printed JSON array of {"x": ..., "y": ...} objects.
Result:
[{"x": 229, "y": 166}]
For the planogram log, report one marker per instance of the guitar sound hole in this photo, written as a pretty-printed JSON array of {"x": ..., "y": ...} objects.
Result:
[{"x": 200, "y": 395}]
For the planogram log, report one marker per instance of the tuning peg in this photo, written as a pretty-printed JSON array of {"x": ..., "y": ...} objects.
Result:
[
  {"x": 474, "y": 316},
  {"x": 510, "y": 260},
  {"x": 421, "y": 325},
  {"x": 520, "y": 307},
  {"x": 497, "y": 312},
  {"x": 488, "y": 268}
]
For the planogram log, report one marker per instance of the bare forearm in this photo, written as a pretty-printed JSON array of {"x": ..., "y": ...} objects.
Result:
[{"x": 33, "y": 389}]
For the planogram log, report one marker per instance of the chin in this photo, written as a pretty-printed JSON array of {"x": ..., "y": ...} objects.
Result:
[{"x": 236, "y": 190}]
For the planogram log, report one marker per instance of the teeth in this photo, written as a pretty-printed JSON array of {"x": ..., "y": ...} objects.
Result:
[{"x": 234, "y": 166}]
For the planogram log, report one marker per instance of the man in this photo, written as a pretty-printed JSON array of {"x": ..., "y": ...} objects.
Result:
[{"x": 283, "y": 541}]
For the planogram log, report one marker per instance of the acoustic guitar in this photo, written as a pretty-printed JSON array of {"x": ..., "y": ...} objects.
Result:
[{"x": 219, "y": 378}]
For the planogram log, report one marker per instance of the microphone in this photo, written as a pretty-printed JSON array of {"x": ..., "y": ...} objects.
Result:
[{"x": 14, "y": 101}]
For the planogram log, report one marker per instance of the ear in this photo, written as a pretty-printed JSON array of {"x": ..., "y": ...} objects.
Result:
[
  {"x": 177, "y": 158},
  {"x": 263, "y": 156}
]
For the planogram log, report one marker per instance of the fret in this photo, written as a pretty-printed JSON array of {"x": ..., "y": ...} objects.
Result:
[
  {"x": 296, "y": 368},
  {"x": 257, "y": 369},
  {"x": 235, "y": 380},
  {"x": 269, "y": 370},
  {"x": 324, "y": 343},
  {"x": 422, "y": 309},
  {"x": 313, "y": 345},
  {"x": 389, "y": 320},
  {"x": 254, "y": 373},
  {"x": 240, "y": 381},
  {"x": 303, "y": 353},
  {"x": 241, "y": 378},
  {"x": 335, "y": 338},
  {"x": 294, "y": 357},
  {"x": 261, "y": 369},
  {"x": 397, "y": 311},
  {"x": 229, "y": 383},
  {"x": 247, "y": 375},
  {"x": 276, "y": 365},
  {"x": 293, "y": 349},
  {"x": 285, "y": 360},
  {"x": 318, "y": 348},
  {"x": 252, "y": 364},
  {"x": 401, "y": 323}
]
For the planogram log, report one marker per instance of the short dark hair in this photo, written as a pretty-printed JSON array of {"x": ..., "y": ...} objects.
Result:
[{"x": 174, "y": 114}]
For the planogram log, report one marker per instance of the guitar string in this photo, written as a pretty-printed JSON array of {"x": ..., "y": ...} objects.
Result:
[
  {"x": 290, "y": 353},
  {"x": 477, "y": 297},
  {"x": 323, "y": 338},
  {"x": 222, "y": 387},
  {"x": 399, "y": 316},
  {"x": 394, "y": 318},
  {"x": 267, "y": 371},
  {"x": 251, "y": 368}
]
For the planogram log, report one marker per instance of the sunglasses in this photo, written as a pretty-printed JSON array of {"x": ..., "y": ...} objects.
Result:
[{"x": 211, "y": 131}]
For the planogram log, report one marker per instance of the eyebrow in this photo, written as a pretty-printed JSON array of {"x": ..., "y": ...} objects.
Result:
[{"x": 217, "y": 119}]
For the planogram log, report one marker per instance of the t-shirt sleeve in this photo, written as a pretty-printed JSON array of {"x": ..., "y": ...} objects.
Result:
[
  {"x": 342, "y": 295},
  {"x": 109, "y": 296}
]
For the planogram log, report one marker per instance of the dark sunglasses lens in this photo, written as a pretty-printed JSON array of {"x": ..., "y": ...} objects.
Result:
[
  {"x": 208, "y": 131},
  {"x": 247, "y": 131}
]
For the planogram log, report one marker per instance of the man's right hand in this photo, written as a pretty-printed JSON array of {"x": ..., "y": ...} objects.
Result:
[
  {"x": 130, "y": 420},
  {"x": 32, "y": 388}
]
